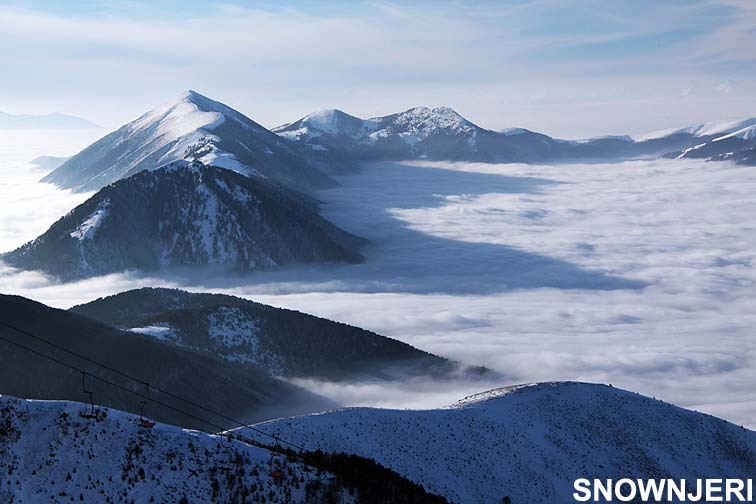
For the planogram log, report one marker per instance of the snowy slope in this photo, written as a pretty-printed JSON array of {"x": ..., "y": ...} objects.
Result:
[
  {"x": 735, "y": 141},
  {"x": 714, "y": 140},
  {"x": 186, "y": 214},
  {"x": 531, "y": 442},
  {"x": 50, "y": 454},
  {"x": 420, "y": 123},
  {"x": 192, "y": 127},
  {"x": 707, "y": 129}
]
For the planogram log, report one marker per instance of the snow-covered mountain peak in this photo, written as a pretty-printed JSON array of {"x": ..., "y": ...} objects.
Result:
[
  {"x": 706, "y": 129},
  {"x": 722, "y": 127},
  {"x": 425, "y": 121},
  {"x": 192, "y": 127},
  {"x": 444, "y": 110},
  {"x": 746, "y": 133},
  {"x": 324, "y": 116},
  {"x": 191, "y": 94},
  {"x": 176, "y": 119},
  {"x": 188, "y": 112},
  {"x": 330, "y": 122},
  {"x": 420, "y": 123}
]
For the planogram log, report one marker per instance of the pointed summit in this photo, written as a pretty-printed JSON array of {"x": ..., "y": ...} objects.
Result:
[
  {"x": 190, "y": 94},
  {"x": 191, "y": 127}
]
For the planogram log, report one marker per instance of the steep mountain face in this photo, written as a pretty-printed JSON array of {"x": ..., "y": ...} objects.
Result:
[
  {"x": 531, "y": 442},
  {"x": 193, "y": 128},
  {"x": 239, "y": 390},
  {"x": 283, "y": 342},
  {"x": 186, "y": 214},
  {"x": 419, "y": 133}
]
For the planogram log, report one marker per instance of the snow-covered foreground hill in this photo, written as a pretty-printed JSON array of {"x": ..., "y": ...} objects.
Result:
[
  {"x": 50, "y": 454},
  {"x": 531, "y": 442}
]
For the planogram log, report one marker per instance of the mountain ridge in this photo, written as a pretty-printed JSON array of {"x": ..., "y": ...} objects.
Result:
[
  {"x": 186, "y": 214},
  {"x": 440, "y": 133},
  {"x": 192, "y": 127},
  {"x": 240, "y": 390},
  {"x": 530, "y": 442},
  {"x": 284, "y": 342}
]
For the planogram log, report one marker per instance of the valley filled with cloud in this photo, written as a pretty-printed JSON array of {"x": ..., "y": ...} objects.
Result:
[{"x": 636, "y": 273}]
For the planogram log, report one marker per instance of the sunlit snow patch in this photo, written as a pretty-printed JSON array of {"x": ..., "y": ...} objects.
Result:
[
  {"x": 87, "y": 229},
  {"x": 161, "y": 332}
]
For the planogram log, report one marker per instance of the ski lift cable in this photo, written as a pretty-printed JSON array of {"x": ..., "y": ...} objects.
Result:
[
  {"x": 108, "y": 382},
  {"x": 142, "y": 396},
  {"x": 220, "y": 428}
]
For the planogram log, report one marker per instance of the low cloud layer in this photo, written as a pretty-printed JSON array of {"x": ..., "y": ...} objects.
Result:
[{"x": 676, "y": 237}]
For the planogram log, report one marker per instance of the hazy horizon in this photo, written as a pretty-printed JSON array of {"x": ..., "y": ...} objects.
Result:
[{"x": 570, "y": 71}]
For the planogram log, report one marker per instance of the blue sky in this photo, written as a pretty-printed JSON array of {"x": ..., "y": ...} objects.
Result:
[{"x": 568, "y": 68}]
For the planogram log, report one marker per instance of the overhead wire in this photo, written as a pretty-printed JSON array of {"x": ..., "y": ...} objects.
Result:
[{"x": 123, "y": 388}]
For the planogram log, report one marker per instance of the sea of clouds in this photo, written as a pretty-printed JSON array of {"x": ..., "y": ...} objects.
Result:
[{"x": 640, "y": 274}]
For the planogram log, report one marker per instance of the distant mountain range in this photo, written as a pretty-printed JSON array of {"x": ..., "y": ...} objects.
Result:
[
  {"x": 168, "y": 178},
  {"x": 419, "y": 133},
  {"x": 341, "y": 140},
  {"x": 53, "y": 121},
  {"x": 530, "y": 443},
  {"x": 194, "y": 128},
  {"x": 282, "y": 342},
  {"x": 303, "y": 153},
  {"x": 186, "y": 214}
]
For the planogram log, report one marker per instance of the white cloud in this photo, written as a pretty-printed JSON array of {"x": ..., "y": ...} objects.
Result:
[
  {"x": 441, "y": 272},
  {"x": 29, "y": 208}
]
